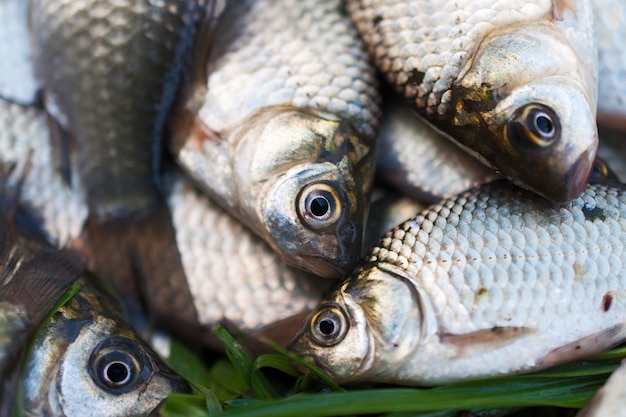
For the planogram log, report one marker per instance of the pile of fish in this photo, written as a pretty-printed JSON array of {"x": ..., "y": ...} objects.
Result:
[{"x": 234, "y": 162}]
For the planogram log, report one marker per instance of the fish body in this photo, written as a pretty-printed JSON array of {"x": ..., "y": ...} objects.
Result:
[
  {"x": 109, "y": 72},
  {"x": 33, "y": 277},
  {"x": 610, "y": 33},
  {"x": 416, "y": 159},
  {"x": 610, "y": 399},
  {"x": 492, "y": 282},
  {"x": 513, "y": 82},
  {"x": 281, "y": 131}
]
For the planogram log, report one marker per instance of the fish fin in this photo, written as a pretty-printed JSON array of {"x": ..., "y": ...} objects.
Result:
[
  {"x": 469, "y": 344},
  {"x": 586, "y": 346},
  {"x": 61, "y": 141},
  {"x": 139, "y": 258},
  {"x": 196, "y": 85}
]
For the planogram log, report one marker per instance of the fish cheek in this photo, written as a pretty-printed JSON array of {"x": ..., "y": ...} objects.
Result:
[
  {"x": 311, "y": 220},
  {"x": 336, "y": 337}
]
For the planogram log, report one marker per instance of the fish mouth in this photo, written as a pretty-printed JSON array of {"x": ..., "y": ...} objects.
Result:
[
  {"x": 326, "y": 268},
  {"x": 577, "y": 177}
]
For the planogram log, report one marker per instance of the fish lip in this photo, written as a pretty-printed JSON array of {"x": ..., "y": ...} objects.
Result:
[
  {"x": 577, "y": 177},
  {"x": 326, "y": 268}
]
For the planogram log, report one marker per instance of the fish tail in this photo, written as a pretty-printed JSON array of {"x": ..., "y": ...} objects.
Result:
[{"x": 140, "y": 259}]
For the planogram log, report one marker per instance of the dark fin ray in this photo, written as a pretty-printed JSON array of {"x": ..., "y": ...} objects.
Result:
[
  {"x": 487, "y": 339},
  {"x": 140, "y": 259},
  {"x": 587, "y": 346},
  {"x": 61, "y": 143}
]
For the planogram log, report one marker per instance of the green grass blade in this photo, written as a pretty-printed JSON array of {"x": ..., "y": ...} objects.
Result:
[
  {"x": 184, "y": 405},
  {"x": 242, "y": 362},
  {"x": 501, "y": 393},
  {"x": 309, "y": 365}
]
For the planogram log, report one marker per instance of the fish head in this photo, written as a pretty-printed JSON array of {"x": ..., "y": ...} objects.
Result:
[
  {"x": 366, "y": 328},
  {"x": 307, "y": 179},
  {"x": 88, "y": 359},
  {"x": 526, "y": 104}
]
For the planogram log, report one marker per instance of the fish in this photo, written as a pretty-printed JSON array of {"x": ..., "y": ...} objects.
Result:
[
  {"x": 514, "y": 82},
  {"x": 33, "y": 278},
  {"x": 87, "y": 357},
  {"x": 108, "y": 74},
  {"x": 609, "y": 400},
  {"x": 278, "y": 126},
  {"x": 610, "y": 32},
  {"x": 495, "y": 281},
  {"x": 414, "y": 158}
]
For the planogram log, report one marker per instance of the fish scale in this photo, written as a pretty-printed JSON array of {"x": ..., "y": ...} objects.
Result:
[
  {"x": 494, "y": 281},
  {"x": 436, "y": 37},
  {"x": 512, "y": 82},
  {"x": 288, "y": 52}
]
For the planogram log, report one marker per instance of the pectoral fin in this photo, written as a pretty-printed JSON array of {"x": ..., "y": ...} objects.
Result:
[
  {"x": 587, "y": 346},
  {"x": 483, "y": 340}
]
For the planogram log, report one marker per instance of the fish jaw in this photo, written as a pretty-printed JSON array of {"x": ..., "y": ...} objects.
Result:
[
  {"x": 529, "y": 115},
  {"x": 380, "y": 325},
  {"x": 77, "y": 351},
  {"x": 351, "y": 352}
]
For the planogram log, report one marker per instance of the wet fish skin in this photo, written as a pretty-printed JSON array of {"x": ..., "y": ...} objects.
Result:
[
  {"x": 232, "y": 274},
  {"x": 532, "y": 117},
  {"x": 110, "y": 71},
  {"x": 419, "y": 161},
  {"x": 25, "y": 142},
  {"x": 610, "y": 399},
  {"x": 293, "y": 126},
  {"x": 494, "y": 281}
]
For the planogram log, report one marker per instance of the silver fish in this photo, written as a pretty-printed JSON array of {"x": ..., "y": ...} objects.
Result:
[
  {"x": 281, "y": 131},
  {"x": 33, "y": 277},
  {"x": 610, "y": 399},
  {"x": 514, "y": 82},
  {"x": 416, "y": 159},
  {"x": 109, "y": 72},
  {"x": 87, "y": 361},
  {"x": 492, "y": 282}
]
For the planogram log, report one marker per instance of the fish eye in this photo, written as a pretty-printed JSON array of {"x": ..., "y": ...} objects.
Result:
[
  {"x": 319, "y": 205},
  {"x": 116, "y": 366},
  {"x": 534, "y": 126},
  {"x": 600, "y": 171},
  {"x": 329, "y": 326}
]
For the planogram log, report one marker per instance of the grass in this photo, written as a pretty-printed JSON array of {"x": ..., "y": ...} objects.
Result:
[{"x": 270, "y": 385}]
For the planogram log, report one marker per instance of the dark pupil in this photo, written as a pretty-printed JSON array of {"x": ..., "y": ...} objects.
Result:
[
  {"x": 327, "y": 327},
  {"x": 319, "y": 206},
  {"x": 117, "y": 372},
  {"x": 544, "y": 125}
]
